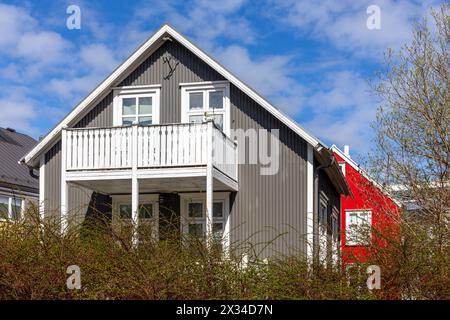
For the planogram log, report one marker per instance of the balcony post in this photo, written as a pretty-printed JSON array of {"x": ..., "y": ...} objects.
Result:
[
  {"x": 209, "y": 183},
  {"x": 134, "y": 185},
  {"x": 64, "y": 186}
]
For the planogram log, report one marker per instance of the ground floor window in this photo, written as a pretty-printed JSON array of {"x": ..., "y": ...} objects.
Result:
[
  {"x": 148, "y": 216},
  {"x": 11, "y": 207},
  {"x": 197, "y": 218},
  {"x": 194, "y": 215}
]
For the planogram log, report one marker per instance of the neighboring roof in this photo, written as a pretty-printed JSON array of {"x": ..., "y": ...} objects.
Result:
[
  {"x": 149, "y": 46},
  {"x": 13, "y": 146},
  {"x": 363, "y": 172}
]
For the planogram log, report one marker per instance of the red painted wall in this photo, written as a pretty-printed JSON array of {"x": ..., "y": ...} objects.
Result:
[{"x": 365, "y": 195}]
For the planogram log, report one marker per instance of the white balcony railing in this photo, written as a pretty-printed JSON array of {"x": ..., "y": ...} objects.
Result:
[{"x": 170, "y": 145}]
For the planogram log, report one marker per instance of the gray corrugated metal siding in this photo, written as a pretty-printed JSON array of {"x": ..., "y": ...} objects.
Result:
[{"x": 265, "y": 206}]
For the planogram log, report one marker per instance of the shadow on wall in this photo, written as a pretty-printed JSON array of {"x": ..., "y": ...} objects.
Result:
[{"x": 99, "y": 209}]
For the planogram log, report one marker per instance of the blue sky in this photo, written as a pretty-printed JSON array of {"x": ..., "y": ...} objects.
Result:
[{"x": 312, "y": 59}]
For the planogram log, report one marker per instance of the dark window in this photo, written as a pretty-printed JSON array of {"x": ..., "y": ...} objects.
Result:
[
  {"x": 323, "y": 213},
  {"x": 125, "y": 211},
  {"x": 145, "y": 211},
  {"x": 335, "y": 229}
]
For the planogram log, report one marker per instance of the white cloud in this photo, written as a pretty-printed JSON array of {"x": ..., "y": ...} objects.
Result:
[
  {"x": 14, "y": 21},
  {"x": 98, "y": 58},
  {"x": 44, "y": 47},
  {"x": 344, "y": 22},
  {"x": 270, "y": 75},
  {"x": 42, "y": 58},
  {"x": 20, "y": 37},
  {"x": 205, "y": 21},
  {"x": 342, "y": 110},
  {"x": 69, "y": 89},
  {"x": 17, "y": 111}
]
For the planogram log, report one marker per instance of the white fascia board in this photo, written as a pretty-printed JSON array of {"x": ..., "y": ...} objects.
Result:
[
  {"x": 347, "y": 159},
  {"x": 363, "y": 172},
  {"x": 118, "y": 73},
  {"x": 105, "y": 85},
  {"x": 355, "y": 166}
]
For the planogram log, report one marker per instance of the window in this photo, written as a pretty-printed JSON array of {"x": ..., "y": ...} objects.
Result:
[
  {"x": 358, "y": 223},
  {"x": 206, "y": 101},
  {"x": 323, "y": 213},
  {"x": 335, "y": 229},
  {"x": 137, "y": 109},
  {"x": 4, "y": 208},
  {"x": 10, "y": 208},
  {"x": 148, "y": 215},
  {"x": 135, "y": 104},
  {"x": 196, "y": 219},
  {"x": 145, "y": 211},
  {"x": 196, "y": 101},
  {"x": 193, "y": 215},
  {"x": 16, "y": 208}
]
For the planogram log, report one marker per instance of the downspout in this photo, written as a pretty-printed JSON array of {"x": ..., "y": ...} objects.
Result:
[
  {"x": 31, "y": 172},
  {"x": 30, "y": 169},
  {"x": 331, "y": 160}
]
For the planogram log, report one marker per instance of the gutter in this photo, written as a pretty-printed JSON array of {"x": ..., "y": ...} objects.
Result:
[{"x": 30, "y": 168}]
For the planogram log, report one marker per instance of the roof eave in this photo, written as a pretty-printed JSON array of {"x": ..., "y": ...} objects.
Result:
[{"x": 333, "y": 172}]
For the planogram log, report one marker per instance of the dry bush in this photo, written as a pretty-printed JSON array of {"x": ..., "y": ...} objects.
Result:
[{"x": 34, "y": 256}]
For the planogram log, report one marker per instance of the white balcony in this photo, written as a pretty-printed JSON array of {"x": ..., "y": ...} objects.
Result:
[
  {"x": 149, "y": 159},
  {"x": 91, "y": 156}
]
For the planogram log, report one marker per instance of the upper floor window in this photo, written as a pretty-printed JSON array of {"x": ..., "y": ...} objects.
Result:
[
  {"x": 358, "y": 224},
  {"x": 206, "y": 101},
  {"x": 137, "y": 109},
  {"x": 136, "y": 105}
]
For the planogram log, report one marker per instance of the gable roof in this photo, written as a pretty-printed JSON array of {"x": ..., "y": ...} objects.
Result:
[
  {"x": 129, "y": 64},
  {"x": 148, "y": 47},
  {"x": 13, "y": 146},
  {"x": 363, "y": 172}
]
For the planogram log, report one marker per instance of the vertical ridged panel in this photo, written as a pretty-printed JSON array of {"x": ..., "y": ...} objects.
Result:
[{"x": 265, "y": 206}]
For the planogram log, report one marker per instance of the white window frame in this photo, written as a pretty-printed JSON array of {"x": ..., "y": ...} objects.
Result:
[
  {"x": 152, "y": 199},
  {"x": 224, "y": 197},
  {"x": 205, "y": 88},
  {"x": 153, "y": 91},
  {"x": 10, "y": 205},
  {"x": 348, "y": 236},
  {"x": 342, "y": 167}
]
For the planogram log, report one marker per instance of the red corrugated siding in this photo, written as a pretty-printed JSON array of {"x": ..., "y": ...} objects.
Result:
[{"x": 366, "y": 196}]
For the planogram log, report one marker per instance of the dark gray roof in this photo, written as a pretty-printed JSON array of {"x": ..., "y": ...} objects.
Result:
[{"x": 13, "y": 146}]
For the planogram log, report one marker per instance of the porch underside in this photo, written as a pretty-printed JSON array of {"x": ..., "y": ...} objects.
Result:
[{"x": 155, "y": 180}]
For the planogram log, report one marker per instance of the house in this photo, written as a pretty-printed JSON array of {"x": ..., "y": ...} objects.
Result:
[
  {"x": 370, "y": 206},
  {"x": 17, "y": 186},
  {"x": 173, "y": 135}
]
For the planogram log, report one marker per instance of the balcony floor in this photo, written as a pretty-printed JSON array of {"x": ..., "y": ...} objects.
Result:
[{"x": 188, "y": 179}]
